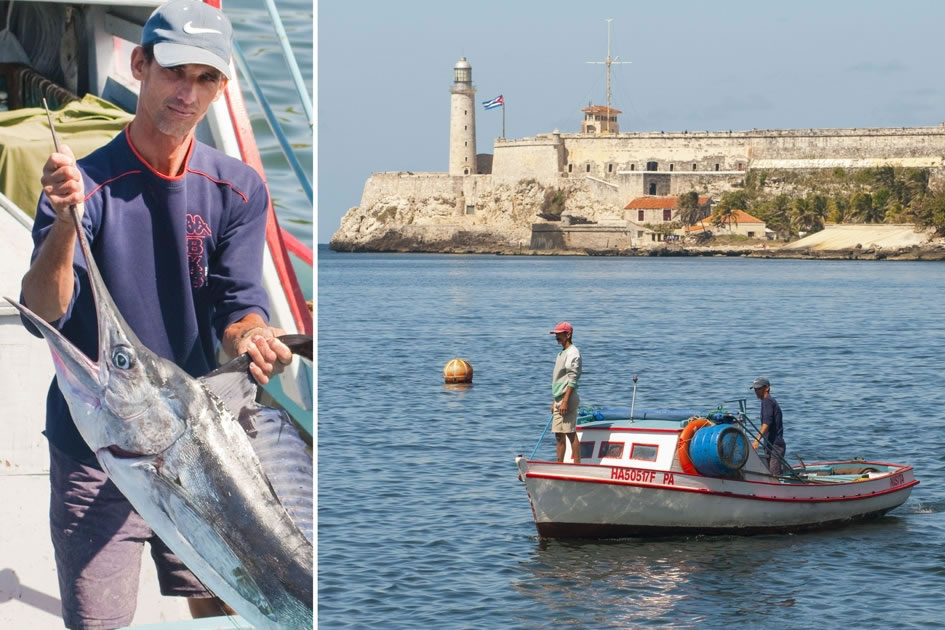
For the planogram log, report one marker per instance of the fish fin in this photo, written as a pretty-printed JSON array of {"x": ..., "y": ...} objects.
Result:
[
  {"x": 232, "y": 383},
  {"x": 302, "y": 345},
  {"x": 287, "y": 463}
]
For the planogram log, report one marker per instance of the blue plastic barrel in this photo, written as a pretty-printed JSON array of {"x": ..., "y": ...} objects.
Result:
[{"x": 718, "y": 451}]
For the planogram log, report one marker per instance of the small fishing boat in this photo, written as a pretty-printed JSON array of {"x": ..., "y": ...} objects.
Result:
[
  {"x": 76, "y": 55},
  {"x": 669, "y": 472}
]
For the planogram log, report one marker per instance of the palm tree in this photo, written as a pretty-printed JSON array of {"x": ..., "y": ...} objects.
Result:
[
  {"x": 689, "y": 209},
  {"x": 777, "y": 216},
  {"x": 861, "y": 205},
  {"x": 838, "y": 209},
  {"x": 807, "y": 215},
  {"x": 800, "y": 215},
  {"x": 929, "y": 210},
  {"x": 725, "y": 215},
  {"x": 818, "y": 204}
]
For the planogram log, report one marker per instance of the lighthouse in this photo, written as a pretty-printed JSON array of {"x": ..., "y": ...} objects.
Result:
[{"x": 462, "y": 120}]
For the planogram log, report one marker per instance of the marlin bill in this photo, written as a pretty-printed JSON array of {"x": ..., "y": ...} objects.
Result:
[{"x": 226, "y": 483}]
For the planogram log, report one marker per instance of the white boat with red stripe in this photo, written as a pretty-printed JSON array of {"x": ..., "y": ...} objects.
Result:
[{"x": 685, "y": 472}]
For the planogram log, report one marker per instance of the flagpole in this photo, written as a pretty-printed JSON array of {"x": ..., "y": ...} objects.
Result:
[{"x": 503, "y": 118}]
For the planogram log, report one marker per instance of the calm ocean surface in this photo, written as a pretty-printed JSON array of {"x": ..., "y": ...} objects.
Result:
[{"x": 422, "y": 522}]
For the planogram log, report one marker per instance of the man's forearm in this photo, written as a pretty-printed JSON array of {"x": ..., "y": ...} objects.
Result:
[
  {"x": 49, "y": 283},
  {"x": 239, "y": 330}
]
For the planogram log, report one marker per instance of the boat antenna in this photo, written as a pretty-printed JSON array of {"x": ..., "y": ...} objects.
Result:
[
  {"x": 633, "y": 401},
  {"x": 608, "y": 62}
]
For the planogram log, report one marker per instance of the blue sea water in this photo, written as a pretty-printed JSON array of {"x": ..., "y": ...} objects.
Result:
[
  {"x": 423, "y": 523},
  {"x": 254, "y": 32}
]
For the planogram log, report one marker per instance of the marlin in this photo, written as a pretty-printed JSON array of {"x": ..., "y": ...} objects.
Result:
[{"x": 225, "y": 482}]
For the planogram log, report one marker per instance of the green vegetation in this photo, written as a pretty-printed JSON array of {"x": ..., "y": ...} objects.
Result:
[
  {"x": 554, "y": 201},
  {"x": 669, "y": 227},
  {"x": 870, "y": 195},
  {"x": 689, "y": 210}
]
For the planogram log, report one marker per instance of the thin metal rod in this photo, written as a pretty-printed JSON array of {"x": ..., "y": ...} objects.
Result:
[
  {"x": 73, "y": 208},
  {"x": 290, "y": 59},
  {"x": 784, "y": 463},
  {"x": 541, "y": 437},
  {"x": 274, "y": 125},
  {"x": 607, "y": 62}
]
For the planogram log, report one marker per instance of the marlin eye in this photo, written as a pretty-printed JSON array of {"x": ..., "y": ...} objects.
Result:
[{"x": 122, "y": 359}]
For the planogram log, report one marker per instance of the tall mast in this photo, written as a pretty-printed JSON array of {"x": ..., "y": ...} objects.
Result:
[{"x": 608, "y": 62}]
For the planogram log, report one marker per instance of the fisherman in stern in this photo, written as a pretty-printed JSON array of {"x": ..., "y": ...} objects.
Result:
[
  {"x": 772, "y": 428},
  {"x": 177, "y": 229}
]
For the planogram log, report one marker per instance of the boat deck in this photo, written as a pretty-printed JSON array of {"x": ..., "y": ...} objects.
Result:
[{"x": 29, "y": 590}]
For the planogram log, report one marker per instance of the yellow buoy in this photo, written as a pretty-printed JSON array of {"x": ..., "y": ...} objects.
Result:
[{"x": 458, "y": 371}]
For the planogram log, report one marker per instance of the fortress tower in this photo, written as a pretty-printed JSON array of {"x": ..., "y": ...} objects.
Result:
[{"x": 462, "y": 120}]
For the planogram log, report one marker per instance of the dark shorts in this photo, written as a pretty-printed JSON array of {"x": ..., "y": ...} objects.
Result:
[{"x": 98, "y": 538}]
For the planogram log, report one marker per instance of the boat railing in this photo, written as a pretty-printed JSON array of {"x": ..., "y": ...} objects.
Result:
[
  {"x": 290, "y": 59},
  {"x": 592, "y": 413},
  {"x": 260, "y": 96},
  {"x": 274, "y": 125}
]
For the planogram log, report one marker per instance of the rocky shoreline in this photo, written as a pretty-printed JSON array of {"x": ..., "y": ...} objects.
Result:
[
  {"x": 837, "y": 242},
  {"x": 914, "y": 253}
]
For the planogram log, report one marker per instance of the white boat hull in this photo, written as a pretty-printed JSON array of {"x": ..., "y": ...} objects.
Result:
[{"x": 602, "y": 501}]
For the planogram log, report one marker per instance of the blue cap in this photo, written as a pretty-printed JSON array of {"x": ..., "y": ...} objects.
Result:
[
  {"x": 189, "y": 31},
  {"x": 760, "y": 382}
]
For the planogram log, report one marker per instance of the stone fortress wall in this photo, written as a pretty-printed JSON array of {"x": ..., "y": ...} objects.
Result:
[
  {"x": 714, "y": 154},
  {"x": 600, "y": 174}
]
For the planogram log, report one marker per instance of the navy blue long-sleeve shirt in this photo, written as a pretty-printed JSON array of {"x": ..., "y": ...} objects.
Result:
[
  {"x": 771, "y": 415},
  {"x": 181, "y": 257}
]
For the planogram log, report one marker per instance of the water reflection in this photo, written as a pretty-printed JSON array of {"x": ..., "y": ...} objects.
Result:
[{"x": 644, "y": 582}]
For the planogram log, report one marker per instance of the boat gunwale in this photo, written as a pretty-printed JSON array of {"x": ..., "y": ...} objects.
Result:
[
  {"x": 584, "y": 427},
  {"x": 908, "y": 485}
]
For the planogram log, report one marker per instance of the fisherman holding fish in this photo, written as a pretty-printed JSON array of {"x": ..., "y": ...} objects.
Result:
[{"x": 177, "y": 230}]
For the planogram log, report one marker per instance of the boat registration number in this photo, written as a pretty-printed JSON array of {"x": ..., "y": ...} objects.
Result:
[
  {"x": 642, "y": 476},
  {"x": 897, "y": 480}
]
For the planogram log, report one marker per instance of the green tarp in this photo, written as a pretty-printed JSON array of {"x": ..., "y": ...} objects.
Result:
[{"x": 25, "y": 142}]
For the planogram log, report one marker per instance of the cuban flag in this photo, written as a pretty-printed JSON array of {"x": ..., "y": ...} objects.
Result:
[{"x": 496, "y": 102}]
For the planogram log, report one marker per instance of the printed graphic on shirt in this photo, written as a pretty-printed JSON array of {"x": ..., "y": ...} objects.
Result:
[{"x": 197, "y": 232}]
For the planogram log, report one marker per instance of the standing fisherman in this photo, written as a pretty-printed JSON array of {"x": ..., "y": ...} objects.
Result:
[
  {"x": 772, "y": 429},
  {"x": 564, "y": 384}
]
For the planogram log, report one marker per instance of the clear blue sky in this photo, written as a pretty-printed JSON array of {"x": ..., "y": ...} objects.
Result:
[{"x": 385, "y": 68}]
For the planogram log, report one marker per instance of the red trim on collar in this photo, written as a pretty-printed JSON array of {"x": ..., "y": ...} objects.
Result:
[
  {"x": 220, "y": 181},
  {"x": 190, "y": 151}
]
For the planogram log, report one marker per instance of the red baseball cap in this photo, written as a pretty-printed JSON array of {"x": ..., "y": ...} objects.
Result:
[{"x": 564, "y": 327}]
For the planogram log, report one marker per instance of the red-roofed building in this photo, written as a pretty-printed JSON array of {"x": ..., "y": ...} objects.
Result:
[
  {"x": 656, "y": 210},
  {"x": 742, "y": 223},
  {"x": 599, "y": 119}
]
